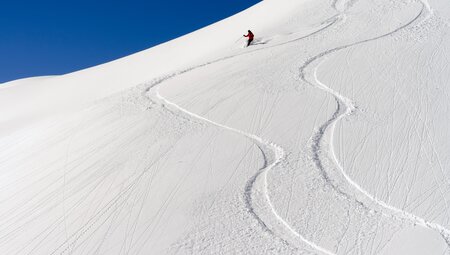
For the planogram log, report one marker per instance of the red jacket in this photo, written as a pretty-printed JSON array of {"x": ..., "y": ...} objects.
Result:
[{"x": 250, "y": 35}]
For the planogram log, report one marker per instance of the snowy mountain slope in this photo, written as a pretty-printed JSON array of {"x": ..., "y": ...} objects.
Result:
[
  {"x": 20, "y": 103},
  {"x": 328, "y": 137}
]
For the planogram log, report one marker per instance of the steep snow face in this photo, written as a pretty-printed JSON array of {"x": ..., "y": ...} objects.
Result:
[{"x": 327, "y": 136}]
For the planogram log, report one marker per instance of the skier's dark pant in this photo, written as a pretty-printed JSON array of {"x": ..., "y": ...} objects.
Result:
[{"x": 249, "y": 41}]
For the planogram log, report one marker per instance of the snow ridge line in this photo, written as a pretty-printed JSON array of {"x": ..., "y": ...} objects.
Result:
[
  {"x": 279, "y": 156},
  {"x": 349, "y": 109}
]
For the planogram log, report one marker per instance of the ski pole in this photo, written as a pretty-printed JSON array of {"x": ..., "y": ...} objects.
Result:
[{"x": 238, "y": 39}]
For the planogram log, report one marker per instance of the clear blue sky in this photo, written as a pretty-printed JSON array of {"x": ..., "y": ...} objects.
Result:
[{"x": 55, "y": 37}]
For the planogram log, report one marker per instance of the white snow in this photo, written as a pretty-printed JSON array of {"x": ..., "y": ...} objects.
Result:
[{"x": 327, "y": 136}]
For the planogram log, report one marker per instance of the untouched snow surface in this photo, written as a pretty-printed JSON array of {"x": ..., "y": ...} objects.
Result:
[{"x": 329, "y": 135}]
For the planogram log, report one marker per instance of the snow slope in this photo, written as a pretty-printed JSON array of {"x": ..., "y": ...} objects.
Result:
[{"x": 328, "y": 136}]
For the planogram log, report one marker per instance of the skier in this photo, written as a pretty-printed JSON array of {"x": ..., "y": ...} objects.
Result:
[{"x": 250, "y": 36}]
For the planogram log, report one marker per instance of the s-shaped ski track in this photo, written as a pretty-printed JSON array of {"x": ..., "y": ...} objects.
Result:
[
  {"x": 152, "y": 91},
  {"x": 349, "y": 107}
]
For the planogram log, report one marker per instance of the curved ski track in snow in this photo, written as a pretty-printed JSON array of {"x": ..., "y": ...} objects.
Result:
[
  {"x": 349, "y": 109},
  {"x": 278, "y": 151}
]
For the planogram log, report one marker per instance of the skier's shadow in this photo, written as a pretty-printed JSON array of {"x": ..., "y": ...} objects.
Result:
[{"x": 260, "y": 42}]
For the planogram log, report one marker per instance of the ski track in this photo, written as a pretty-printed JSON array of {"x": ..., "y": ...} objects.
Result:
[{"x": 349, "y": 109}]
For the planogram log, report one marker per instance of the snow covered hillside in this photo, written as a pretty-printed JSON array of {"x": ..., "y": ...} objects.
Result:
[{"x": 329, "y": 135}]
